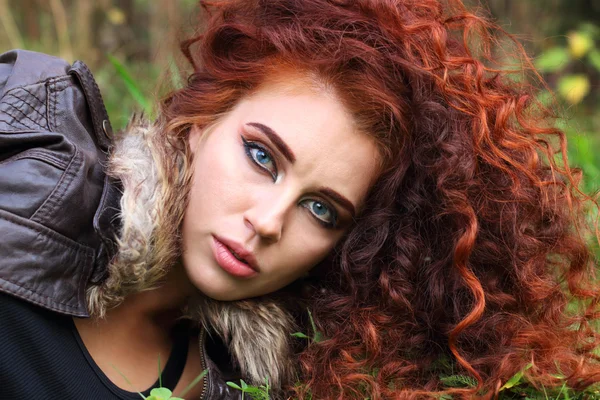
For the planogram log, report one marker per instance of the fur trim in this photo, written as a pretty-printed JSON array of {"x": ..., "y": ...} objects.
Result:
[
  {"x": 257, "y": 331},
  {"x": 257, "y": 334},
  {"x": 139, "y": 264}
]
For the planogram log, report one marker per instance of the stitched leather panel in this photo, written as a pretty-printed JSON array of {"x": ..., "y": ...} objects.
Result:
[{"x": 24, "y": 109}]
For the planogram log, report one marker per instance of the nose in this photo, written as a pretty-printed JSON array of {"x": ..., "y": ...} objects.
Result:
[{"x": 267, "y": 215}]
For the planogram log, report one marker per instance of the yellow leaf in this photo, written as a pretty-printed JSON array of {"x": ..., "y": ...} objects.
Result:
[
  {"x": 574, "y": 87},
  {"x": 116, "y": 16},
  {"x": 579, "y": 43}
]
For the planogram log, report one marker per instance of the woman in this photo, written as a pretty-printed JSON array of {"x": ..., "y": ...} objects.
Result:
[{"x": 361, "y": 159}]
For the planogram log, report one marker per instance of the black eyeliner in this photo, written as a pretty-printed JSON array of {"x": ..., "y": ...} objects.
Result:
[
  {"x": 253, "y": 145},
  {"x": 330, "y": 225}
]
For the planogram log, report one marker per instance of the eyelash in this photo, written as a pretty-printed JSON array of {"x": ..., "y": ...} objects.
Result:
[{"x": 254, "y": 145}]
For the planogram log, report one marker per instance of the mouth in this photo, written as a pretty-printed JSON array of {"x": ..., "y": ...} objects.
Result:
[
  {"x": 233, "y": 258},
  {"x": 237, "y": 256}
]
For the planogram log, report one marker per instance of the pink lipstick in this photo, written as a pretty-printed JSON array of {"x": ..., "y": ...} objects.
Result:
[{"x": 227, "y": 260}]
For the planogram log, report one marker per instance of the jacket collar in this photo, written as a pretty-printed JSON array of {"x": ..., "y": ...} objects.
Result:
[
  {"x": 100, "y": 121},
  {"x": 106, "y": 220},
  {"x": 107, "y": 224}
]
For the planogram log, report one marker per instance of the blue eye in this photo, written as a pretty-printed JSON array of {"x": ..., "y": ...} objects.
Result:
[
  {"x": 323, "y": 212},
  {"x": 261, "y": 157}
]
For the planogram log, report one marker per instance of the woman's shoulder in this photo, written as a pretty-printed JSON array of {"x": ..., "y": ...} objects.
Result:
[
  {"x": 55, "y": 202},
  {"x": 20, "y": 68},
  {"x": 36, "y": 80}
]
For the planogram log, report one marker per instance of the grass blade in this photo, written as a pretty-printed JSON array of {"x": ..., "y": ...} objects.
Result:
[
  {"x": 159, "y": 372},
  {"x": 193, "y": 383},
  {"x": 126, "y": 380},
  {"x": 131, "y": 85}
]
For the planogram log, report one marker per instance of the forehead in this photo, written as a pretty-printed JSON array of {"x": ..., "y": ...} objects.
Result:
[{"x": 329, "y": 149}]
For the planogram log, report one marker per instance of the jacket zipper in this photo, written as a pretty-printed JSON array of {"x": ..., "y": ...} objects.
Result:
[{"x": 201, "y": 341}]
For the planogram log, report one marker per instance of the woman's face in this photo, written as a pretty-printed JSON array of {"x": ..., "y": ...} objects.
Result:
[{"x": 279, "y": 177}]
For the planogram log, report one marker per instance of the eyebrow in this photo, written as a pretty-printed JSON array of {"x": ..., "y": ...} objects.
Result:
[
  {"x": 338, "y": 198},
  {"x": 276, "y": 139},
  {"x": 289, "y": 155}
]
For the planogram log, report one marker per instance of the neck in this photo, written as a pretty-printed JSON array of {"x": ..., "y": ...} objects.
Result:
[
  {"x": 133, "y": 334},
  {"x": 160, "y": 306}
]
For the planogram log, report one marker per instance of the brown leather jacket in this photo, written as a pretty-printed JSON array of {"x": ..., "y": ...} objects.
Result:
[{"x": 58, "y": 209}]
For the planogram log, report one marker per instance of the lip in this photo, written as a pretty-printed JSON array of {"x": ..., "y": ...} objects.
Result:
[{"x": 222, "y": 248}]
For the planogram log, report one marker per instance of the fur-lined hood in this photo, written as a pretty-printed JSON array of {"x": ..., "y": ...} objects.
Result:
[{"x": 257, "y": 331}]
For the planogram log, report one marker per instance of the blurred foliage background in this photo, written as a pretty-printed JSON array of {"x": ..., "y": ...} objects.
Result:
[{"x": 132, "y": 47}]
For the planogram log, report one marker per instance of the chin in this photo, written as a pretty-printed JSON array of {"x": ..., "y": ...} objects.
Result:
[
  {"x": 220, "y": 295},
  {"x": 216, "y": 286}
]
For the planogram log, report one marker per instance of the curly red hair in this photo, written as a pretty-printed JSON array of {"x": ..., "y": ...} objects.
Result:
[{"x": 472, "y": 242}]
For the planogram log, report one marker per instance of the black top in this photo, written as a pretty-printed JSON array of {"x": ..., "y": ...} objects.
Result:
[{"x": 42, "y": 356}]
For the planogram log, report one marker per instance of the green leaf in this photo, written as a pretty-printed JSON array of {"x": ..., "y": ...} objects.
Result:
[
  {"x": 253, "y": 390},
  {"x": 582, "y": 149},
  {"x": 161, "y": 393},
  {"x": 553, "y": 59},
  {"x": 258, "y": 392},
  {"x": 233, "y": 385},
  {"x": 589, "y": 29},
  {"x": 300, "y": 335},
  {"x": 594, "y": 58},
  {"x": 317, "y": 336},
  {"x": 131, "y": 85},
  {"x": 573, "y": 87},
  {"x": 516, "y": 378}
]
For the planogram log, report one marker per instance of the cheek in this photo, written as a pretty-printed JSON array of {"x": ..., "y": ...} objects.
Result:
[
  {"x": 296, "y": 260},
  {"x": 305, "y": 250},
  {"x": 218, "y": 179}
]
